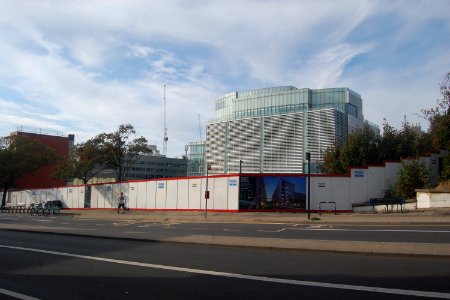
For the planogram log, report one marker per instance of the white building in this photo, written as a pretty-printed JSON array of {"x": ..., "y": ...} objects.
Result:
[{"x": 270, "y": 130}]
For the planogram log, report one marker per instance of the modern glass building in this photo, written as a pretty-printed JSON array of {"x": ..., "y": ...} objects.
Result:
[
  {"x": 196, "y": 158},
  {"x": 269, "y": 130}
]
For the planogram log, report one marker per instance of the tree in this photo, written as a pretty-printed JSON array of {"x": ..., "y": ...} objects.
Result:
[
  {"x": 20, "y": 155},
  {"x": 85, "y": 162},
  {"x": 122, "y": 149},
  {"x": 331, "y": 162},
  {"x": 412, "y": 175},
  {"x": 439, "y": 118},
  {"x": 445, "y": 175},
  {"x": 360, "y": 149}
]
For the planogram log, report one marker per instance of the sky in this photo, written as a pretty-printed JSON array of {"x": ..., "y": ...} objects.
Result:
[{"x": 86, "y": 67}]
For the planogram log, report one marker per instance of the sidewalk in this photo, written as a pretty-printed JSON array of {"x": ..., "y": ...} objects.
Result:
[{"x": 418, "y": 217}]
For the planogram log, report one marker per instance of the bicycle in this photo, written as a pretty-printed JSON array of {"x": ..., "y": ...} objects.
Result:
[{"x": 54, "y": 209}]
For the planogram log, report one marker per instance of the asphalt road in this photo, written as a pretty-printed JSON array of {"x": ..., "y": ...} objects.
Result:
[
  {"x": 149, "y": 230},
  {"x": 53, "y": 266}
]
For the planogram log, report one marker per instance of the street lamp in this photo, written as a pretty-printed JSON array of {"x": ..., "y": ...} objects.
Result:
[
  {"x": 208, "y": 167},
  {"x": 308, "y": 158}
]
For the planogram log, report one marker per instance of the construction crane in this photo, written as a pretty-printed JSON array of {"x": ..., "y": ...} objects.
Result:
[
  {"x": 165, "y": 125},
  {"x": 200, "y": 127}
]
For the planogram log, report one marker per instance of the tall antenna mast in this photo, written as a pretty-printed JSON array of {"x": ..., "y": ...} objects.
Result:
[
  {"x": 165, "y": 125},
  {"x": 200, "y": 127}
]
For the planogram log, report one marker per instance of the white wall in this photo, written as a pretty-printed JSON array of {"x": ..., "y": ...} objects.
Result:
[{"x": 188, "y": 193}]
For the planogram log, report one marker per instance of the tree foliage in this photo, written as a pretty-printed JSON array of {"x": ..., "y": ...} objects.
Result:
[
  {"x": 364, "y": 147},
  {"x": 412, "y": 175},
  {"x": 439, "y": 118},
  {"x": 360, "y": 148},
  {"x": 20, "y": 155},
  {"x": 85, "y": 161},
  {"x": 121, "y": 149}
]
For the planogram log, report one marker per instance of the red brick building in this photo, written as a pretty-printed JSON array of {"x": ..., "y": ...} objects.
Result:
[{"x": 42, "y": 178}]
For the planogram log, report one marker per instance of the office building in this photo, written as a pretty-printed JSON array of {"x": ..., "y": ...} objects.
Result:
[
  {"x": 269, "y": 130},
  {"x": 43, "y": 178}
]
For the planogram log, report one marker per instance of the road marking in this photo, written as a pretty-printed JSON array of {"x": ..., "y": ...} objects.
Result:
[
  {"x": 371, "y": 230},
  {"x": 16, "y": 295},
  {"x": 230, "y": 229},
  {"x": 44, "y": 221},
  {"x": 243, "y": 276},
  {"x": 280, "y": 230}
]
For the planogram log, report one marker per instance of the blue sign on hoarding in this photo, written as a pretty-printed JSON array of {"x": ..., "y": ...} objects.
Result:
[
  {"x": 359, "y": 173},
  {"x": 232, "y": 182},
  {"x": 160, "y": 185}
]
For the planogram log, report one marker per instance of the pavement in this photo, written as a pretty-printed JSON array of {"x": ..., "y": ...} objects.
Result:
[{"x": 425, "y": 217}]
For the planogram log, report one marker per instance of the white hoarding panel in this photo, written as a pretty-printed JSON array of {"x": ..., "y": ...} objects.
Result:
[
  {"x": 95, "y": 192},
  {"x": 52, "y": 194},
  {"x": 376, "y": 179},
  {"x": 233, "y": 193},
  {"x": 109, "y": 200},
  {"x": 390, "y": 173},
  {"x": 132, "y": 195},
  {"x": 151, "y": 195},
  {"x": 195, "y": 193},
  {"x": 161, "y": 192},
  {"x": 172, "y": 194},
  {"x": 61, "y": 195},
  {"x": 68, "y": 200},
  {"x": 220, "y": 193},
  {"x": 340, "y": 193},
  {"x": 141, "y": 195},
  {"x": 321, "y": 191},
  {"x": 358, "y": 186},
  {"x": 183, "y": 194},
  {"x": 210, "y": 186}
]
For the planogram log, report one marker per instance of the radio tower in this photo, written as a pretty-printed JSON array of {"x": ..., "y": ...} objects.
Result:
[
  {"x": 200, "y": 127},
  {"x": 165, "y": 125}
]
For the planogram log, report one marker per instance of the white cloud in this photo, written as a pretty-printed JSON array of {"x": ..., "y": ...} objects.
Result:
[{"x": 86, "y": 67}]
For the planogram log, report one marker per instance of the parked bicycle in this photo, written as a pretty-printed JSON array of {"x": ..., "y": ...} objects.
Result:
[
  {"x": 38, "y": 209},
  {"x": 53, "y": 207}
]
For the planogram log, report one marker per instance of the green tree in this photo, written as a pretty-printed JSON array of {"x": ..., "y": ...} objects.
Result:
[
  {"x": 445, "y": 175},
  {"x": 20, "y": 155},
  {"x": 331, "y": 162},
  {"x": 439, "y": 118},
  {"x": 85, "y": 162},
  {"x": 122, "y": 149},
  {"x": 388, "y": 146},
  {"x": 412, "y": 175},
  {"x": 360, "y": 149}
]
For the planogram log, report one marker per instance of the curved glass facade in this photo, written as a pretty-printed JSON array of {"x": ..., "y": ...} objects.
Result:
[
  {"x": 286, "y": 99},
  {"x": 269, "y": 130}
]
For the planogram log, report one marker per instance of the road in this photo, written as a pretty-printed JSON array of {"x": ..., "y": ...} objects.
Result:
[
  {"x": 149, "y": 229},
  {"x": 53, "y": 266}
]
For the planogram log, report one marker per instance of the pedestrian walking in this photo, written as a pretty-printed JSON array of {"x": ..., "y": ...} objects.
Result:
[{"x": 122, "y": 200}]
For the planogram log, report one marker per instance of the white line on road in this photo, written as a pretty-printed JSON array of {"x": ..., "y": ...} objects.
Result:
[
  {"x": 372, "y": 230},
  {"x": 243, "y": 276},
  {"x": 16, "y": 295},
  {"x": 279, "y": 230}
]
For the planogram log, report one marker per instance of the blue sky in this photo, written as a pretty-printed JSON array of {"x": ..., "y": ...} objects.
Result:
[{"x": 85, "y": 67}]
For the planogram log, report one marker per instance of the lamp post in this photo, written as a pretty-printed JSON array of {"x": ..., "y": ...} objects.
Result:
[
  {"x": 308, "y": 158},
  {"x": 208, "y": 167}
]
